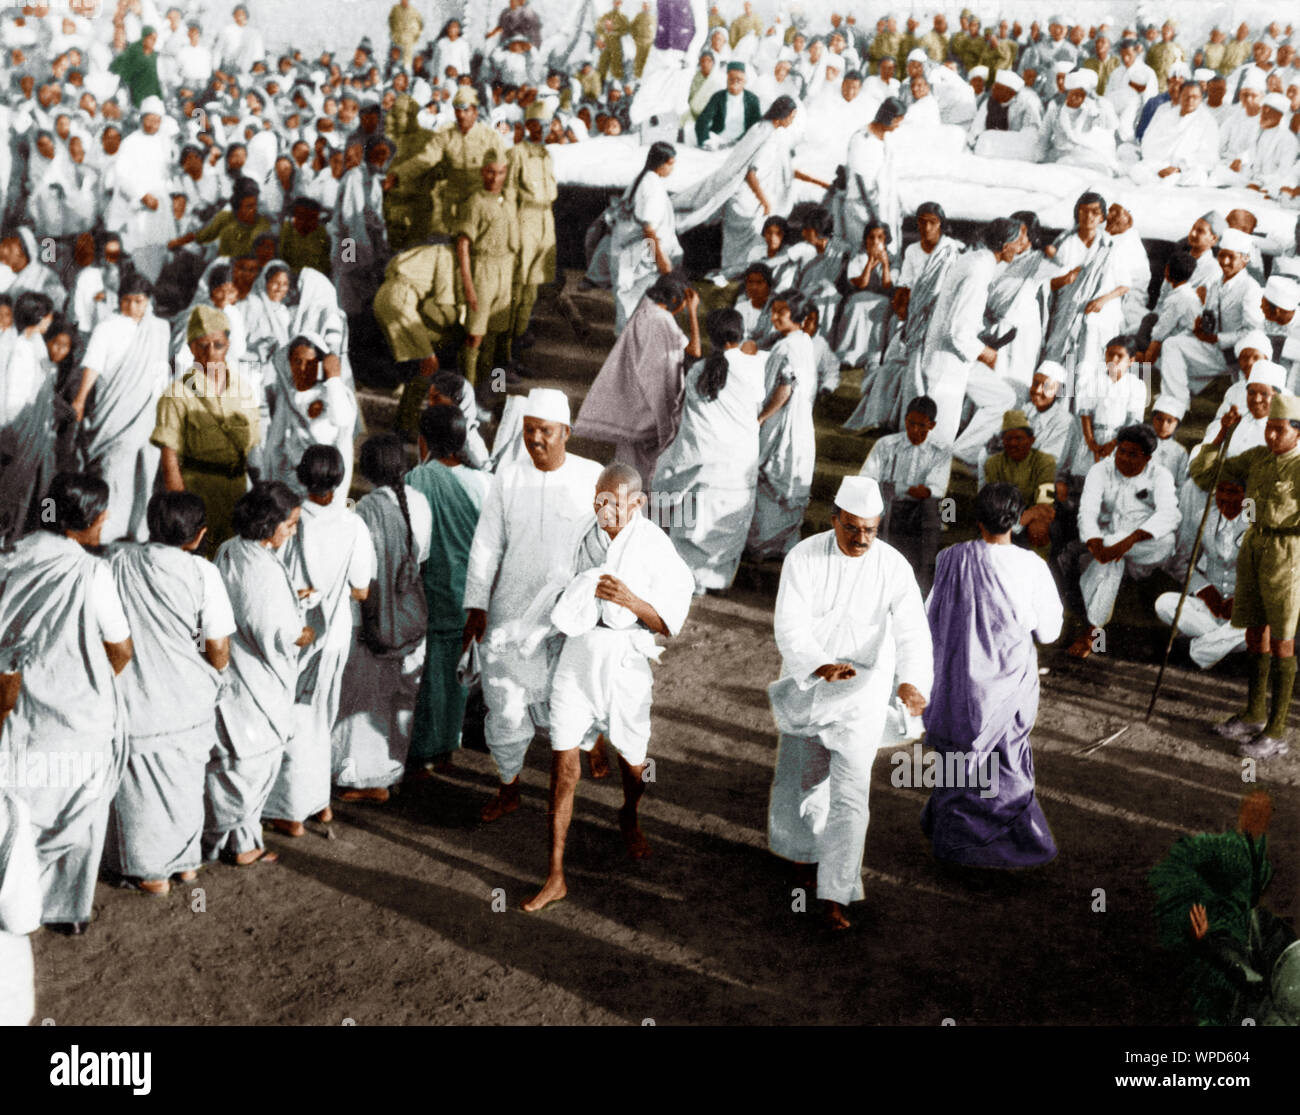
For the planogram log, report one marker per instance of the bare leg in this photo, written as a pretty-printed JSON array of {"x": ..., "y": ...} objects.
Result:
[
  {"x": 638, "y": 847},
  {"x": 598, "y": 756},
  {"x": 566, "y": 770},
  {"x": 506, "y": 801},
  {"x": 834, "y": 916}
]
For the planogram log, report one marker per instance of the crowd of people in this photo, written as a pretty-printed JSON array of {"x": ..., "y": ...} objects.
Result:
[{"x": 205, "y": 244}]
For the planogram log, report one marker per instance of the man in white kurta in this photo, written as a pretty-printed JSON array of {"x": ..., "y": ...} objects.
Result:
[
  {"x": 849, "y": 620},
  {"x": 1181, "y": 144},
  {"x": 871, "y": 184},
  {"x": 523, "y": 535},
  {"x": 140, "y": 208},
  {"x": 1008, "y": 110}
]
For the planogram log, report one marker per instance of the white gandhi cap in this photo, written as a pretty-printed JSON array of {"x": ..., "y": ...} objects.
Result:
[
  {"x": 1267, "y": 372},
  {"x": 548, "y": 404},
  {"x": 1168, "y": 404},
  {"x": 860, "y": 496},
  {"x": 1284, "y": 293},
  {"x": 1234, "y": 240}
]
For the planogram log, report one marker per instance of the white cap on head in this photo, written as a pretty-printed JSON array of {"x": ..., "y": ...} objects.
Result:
[
  {"x": 1204, "y": 74},
  {"x": 1075, "y": 80},
  {"x": 1256, "y": 339},
  {"x": 1052, "y": 370},
  {"x": 1180, "y": 69},
  {"x": 1234, "y": 240},
  {"x": 1267, "y": 372},
  {"x": 1142, "y": 75},
  {"x": 1009, "y": 79},
  {"x": 1279, "y": 102},
  {"x": 152, "y": 106},
  {"x": 1170, "y": 405},
  {"x": 549, "y": 404},
  {"x": 1284, "y": 293},
  {"x": 860, "y": 496},
  {"x": 1255, "y": 79},
  {"x": 979, "y": 71},
  {"x": 1063, "y": 67},
  {"x": 917, "y": 55}
]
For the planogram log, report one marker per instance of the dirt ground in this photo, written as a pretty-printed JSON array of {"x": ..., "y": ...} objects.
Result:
[{"x": 408, "y": 913}]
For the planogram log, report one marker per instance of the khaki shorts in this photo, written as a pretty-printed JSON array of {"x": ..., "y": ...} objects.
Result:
[
  {"x": 1268, "y": 583},
  {"x": 494, "y": 298}
]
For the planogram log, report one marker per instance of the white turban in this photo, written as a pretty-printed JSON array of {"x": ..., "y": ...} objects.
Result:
[
  {"x": 1256, "y": 339},
  {"x": 918, "y": 55},
  {"x": 1075, "y": 80},
  {"x": 1180, "y": 69},
  {"x": 1282, "y": 292},
  {"x": 1205, "y": 75},
  {"x": 152, "y": 106},
  {"x": 979, "y": 71},
  {"x": 1255, "y": 79},
  {"x": 1278, "y": 102},
  {"x": 548, "y": 404},
  {"x": 1009, "y": 79},
  {"x": 1266, "y": 372},
  {"x": 860, "y": 496},
  {"x": 1141, "y": 74}
]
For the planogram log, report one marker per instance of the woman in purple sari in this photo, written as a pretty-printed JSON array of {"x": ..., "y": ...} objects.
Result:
[{"x": 989, "y": 602}]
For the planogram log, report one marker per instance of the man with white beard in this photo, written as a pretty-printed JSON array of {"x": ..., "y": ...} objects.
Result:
[
  {"x": 524, "y": 530},
  {"x": 140, "y": 208},
  {"x": 849, "y": 620}
]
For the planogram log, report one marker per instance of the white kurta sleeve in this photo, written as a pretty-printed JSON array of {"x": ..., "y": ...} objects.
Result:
[
  {"x": 1165, "y": 518},
  {"x": 914, "y": 649},
  {"x": 487, "y": 549},
  {"x": 1094, "y": 487},
  {"x": 792, "y": 620}
]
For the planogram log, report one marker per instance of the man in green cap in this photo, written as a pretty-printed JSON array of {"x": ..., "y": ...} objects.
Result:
[
  {"x": 531, "y": 180},
  {"x": 459, "y": 153},
  {"x": 1267, "y": 598},
  {"x": 487, "y": 244},
  {"x": 208, "y": 423},
  {"x": 1032, "y": 471}
]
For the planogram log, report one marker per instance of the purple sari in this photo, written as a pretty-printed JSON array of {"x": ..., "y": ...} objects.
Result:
[{"x": 985, "y": 700}]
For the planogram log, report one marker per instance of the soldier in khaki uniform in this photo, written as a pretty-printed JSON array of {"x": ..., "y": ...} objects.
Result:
[
  {"x": 643, "y": 34},
  {"x": 487, "y": 246},
  {"x": 610, "y": 29},
  {"x": 532, "y": 182},
  {"x": 458, "y": 154},
  {"x": 416, "y": 310},
  {"x": 408, "y": 201},
  {"x": 208, "y": 423},
  {"x": 1267, "y": 598},
  {"x": 404, "y": 27}
]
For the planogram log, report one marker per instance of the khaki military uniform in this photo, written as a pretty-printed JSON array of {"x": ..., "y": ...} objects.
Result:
[
  {"x": 885, "y": 45},
  {"x": 213, "y": 436},
  {"x": 1162, "y": 58},
  {"x": 643, "y": 34},
  {"x": 415, "y": 305},
  {"x": 532, "y": 181},
  {"x": 934, "y": 44},
  {"x": 404, "y": 27},
  {"x": 1103, "y": 70},
  {"x": 610, "y": 62},
  {"x": 743, "y": 25},
  {"x": 1268, "y": 567},
  {"x": 1235, "y": 54},
  {"x": 233, "y": 237},
  {"x": 312, "y": 250},
  {"x": 1212, "y": 55},
  {"x": 458, "y": 157},
  {"x": 491, "y": 223}
]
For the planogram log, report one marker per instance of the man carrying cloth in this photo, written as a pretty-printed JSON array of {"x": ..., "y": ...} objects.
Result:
[
  {"x": 849, "y": 620},
  {"x": 623, "y": 584},
  {"x": 1267, "y": 598}
]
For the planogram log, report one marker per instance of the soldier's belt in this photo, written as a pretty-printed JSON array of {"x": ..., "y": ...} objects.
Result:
[
  {"x": 534, "y": 205},
  {"x": 1278, "y": 532},
  {"x": 211, "y": 468}
]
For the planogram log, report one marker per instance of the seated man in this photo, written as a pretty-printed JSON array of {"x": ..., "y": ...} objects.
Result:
[
  {"x": 912, "y": 472},
  {"x": 1032, "y": 472},
  {"x": 1181, "y": 145},
  {"x": 729, "y": 113},
  {"x": 1207, "y": 611},
  {"x": 1128, "y": 514},
  {"x": 1008, "y": 108}
]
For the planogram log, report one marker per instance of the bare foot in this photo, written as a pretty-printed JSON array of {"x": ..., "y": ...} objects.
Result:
[
  {"x": 377, "y": 794},
  {"x": 325, "y": 816},
  {"x": 288, "y": 828},
  {"x": 638, "y": 847},
  {"x": 157, "y": 887},
  {"x": 188, "y": 876},
  {"x": 1082, "y": 646},
  {"x": 835, "y": 917},
  {"x": 805, "y": 876},
  {"x": 598, "y": 757},
  {"x": 255, "y": 855},
  {"x": 506, "y": 801},
  {"x": 552, "y": 891}
]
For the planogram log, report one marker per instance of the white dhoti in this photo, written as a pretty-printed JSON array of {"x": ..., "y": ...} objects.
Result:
[
  {"x": 1188, "y": 365},
  {"x": 514, "y": 688},
  {"x": 603, "y": 683},
  {"x": 1213, "y": 639},
  {"x": 993, "y": 396},
  {"x": 1100, "y": 583}
]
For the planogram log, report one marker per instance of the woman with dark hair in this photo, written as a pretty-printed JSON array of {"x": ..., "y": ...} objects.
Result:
[
  {"x": 451, "y": 55},
  {"x": 821, "y": 273},
  {"x": 1017, "y": 304},
  {"x": 57, "y": 692},
  {"x": 711, "y": 467},
  {"x": 454, "y": 495},
  {"x": 990, "y": 602},
  {"x": 255, "y": 717},
  {"x": 635, "y": 401},
  {"x": 169, "y": 692},
  {"x": 1086, "y": 307},
  {"x": 865, "y": 313},
  {"x": 216, "y": 289},
  {"x": 787, "y": 440},
  {"x": 311, "y": 405},
  {"x": 372, "y": 734},
  {"x": 27, "y": 437},
  {"x": 331, "y": 561},
  {"x": 643, "y": 243},
  {"x": 758, "y": 285}
]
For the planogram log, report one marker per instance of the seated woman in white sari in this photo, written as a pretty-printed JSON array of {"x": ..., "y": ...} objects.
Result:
[
  {"x": 372, "y": 734},
  {"x": 819, "y": 278},
  {"x": 332, "y": 558},
  {"x": 312, "y": 406},
  {"x": 923, "y": 112},
  {"x": 865, "y": 314},
  {"x": 787, "y": 438},
  {"x": 643, "y": 243},
  {"x": 255, "y": 714},
  {"x": 710, "y": 470}
]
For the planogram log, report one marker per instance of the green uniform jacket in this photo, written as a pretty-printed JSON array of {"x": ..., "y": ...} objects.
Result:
[
  {"x": 1028, "y": 476},
  {"x": 233, "y": 238}
]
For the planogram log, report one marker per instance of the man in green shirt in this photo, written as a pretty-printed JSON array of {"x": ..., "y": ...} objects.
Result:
[
  {"x": 304, "y": 241},
  {"x": 1267, "y": 598},
  {"x": 1032, "y": 471},
  {"x": 233, "y": 229}
]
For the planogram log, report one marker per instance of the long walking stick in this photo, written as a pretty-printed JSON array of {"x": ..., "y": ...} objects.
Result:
[{"x": 1191, "y": 568}]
